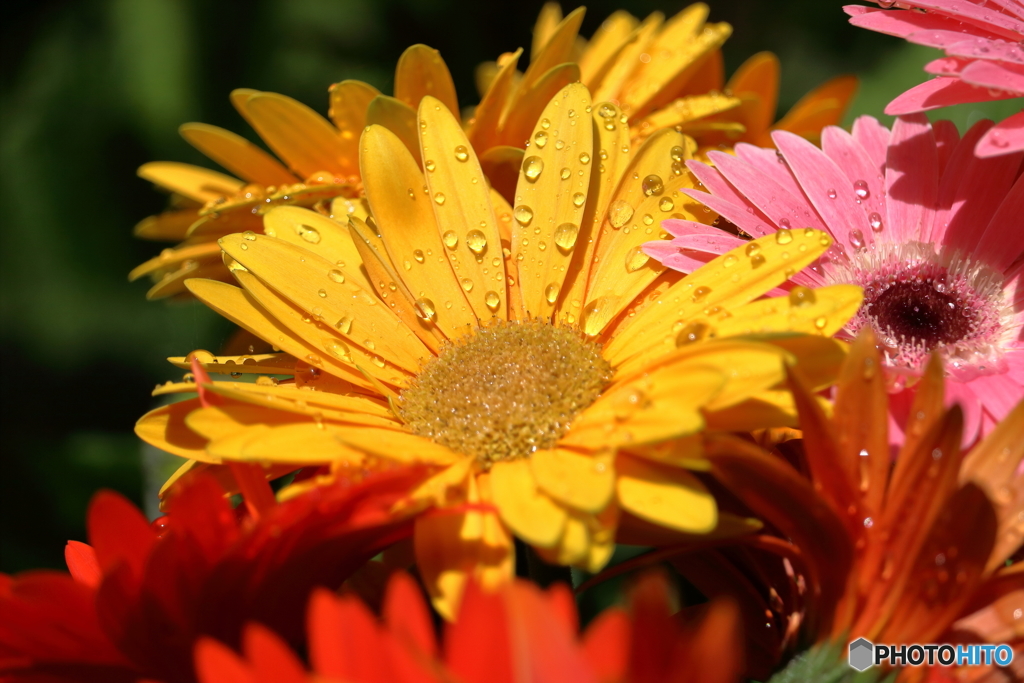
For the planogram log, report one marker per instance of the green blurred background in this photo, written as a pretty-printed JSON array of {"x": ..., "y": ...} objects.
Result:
[{"x": 91, "y": 89}]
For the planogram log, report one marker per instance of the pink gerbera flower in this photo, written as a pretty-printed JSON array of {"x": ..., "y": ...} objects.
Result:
[
  {"x": 984, "y": 45},
  {"x": 933, "y": 233}
]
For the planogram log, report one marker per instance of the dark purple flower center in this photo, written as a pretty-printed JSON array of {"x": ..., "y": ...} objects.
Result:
[{"x": 917, "y": 311}]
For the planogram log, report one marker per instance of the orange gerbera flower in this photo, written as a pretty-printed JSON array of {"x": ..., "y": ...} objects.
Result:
[
  {"x": 911, "y": 552},
  {"x": 519, "y": 633}
]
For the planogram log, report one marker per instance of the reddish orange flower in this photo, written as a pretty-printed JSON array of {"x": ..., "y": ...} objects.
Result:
[
  {"x": 911, "y": 552},
  {"x": 519, "y": 634},
  {"x": 139, "y": 596}
]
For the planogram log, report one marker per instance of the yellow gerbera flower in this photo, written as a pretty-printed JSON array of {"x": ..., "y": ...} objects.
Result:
[
  {"x": 320, "y": 166},
  {"x": 553, "y": 377}
]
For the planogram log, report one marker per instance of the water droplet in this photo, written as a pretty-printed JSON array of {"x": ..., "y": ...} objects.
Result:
[
  {"x": 309, "y": 234},
  {"x": 492, "y": 300},
  {"x": 875, "y": 221},
  {"x": 700, "y": 293},
  {"x": 545, "y": 124},
  {"x": 429, "y": 165},
  {"x": 652, "y": 185},
  {"x": 532, "y": 168},
  {"x": 868, "y": 522},
  {"x": 831, "y": 193},
  {"x": 336, "y": 275},
  {"x": 856, "y": 239},
  {"x": 692, "y": 332},
  {"x": 450, "y": 239},
  {"x": 636, "y": 259},
  {"x": 606, "y": 111},
  {"x": 425, "y": 309},
  {"x": 467, "y": 284},
  {"x": 666, "y": 204},
  {"x": 461, "y": 153},
  {"x": 584, "y": 158},
  {"x": 729, "y": 261},
  {"x": 860, "y": 188},
  {"x": 322, "y": 293},
  {"x": 820, "y": 322},
  {"x": 801, "y": 296},
  {"x": 523, "y": 214},
  {"x": 756, "y": 261},
  {"x": 345, "y": 325},
  {"x": 628, "y": 402},
  {"x": 551, "y": 293},
  {"x": 678, "y": 154},
  {"x": 418, "y": 254},
  {"x": 783, "y": 236},
  {"x": 337, "y": 349},
  {"x": 565, "y": 236},
  {"x": 439, "y": 198},
  {"x": 753, "y": 249},
  {"x": 540, "y": 139},
  {"x": 249, "y": 235},
  {"x": 619, "y": 213},
  {"x": 476, "y": 241},
  {"x": 579, "y": 199}
]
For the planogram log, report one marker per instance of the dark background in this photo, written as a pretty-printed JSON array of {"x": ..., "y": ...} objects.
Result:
[{"x": 91, "y": 89}]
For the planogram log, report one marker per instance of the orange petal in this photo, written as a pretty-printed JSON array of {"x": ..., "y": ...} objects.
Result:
[
  {"x": 422, "y": 73},
  {"x": 236, "y": 154},
  {"x": 194, "y": 182}
]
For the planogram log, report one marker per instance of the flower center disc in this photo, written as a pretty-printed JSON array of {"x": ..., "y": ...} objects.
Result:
[{"x": 506, "y": 391}]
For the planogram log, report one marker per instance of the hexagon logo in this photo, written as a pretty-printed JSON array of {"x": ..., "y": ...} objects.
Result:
[{"x": 861, "y": 654}]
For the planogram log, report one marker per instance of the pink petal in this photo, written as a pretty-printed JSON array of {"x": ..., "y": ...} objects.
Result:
[
  {"x": 747, "y": 220},
  {"x": 672, "y": 257},
  {"x": 946, "y": 139},
  {"x": 1008, "y": 77},
  {"x": 1003, "y": 240},
  {"x": 1006, "y": 137},
  {"x": 843, "y": 149},
  {"x": 911, "y": 179},
  {"x": 678, "y": 227},
  {"x": 998, "y": 394},
  {"x": 770, "y": 163},
  {"x": 711, "y": 244},
  {"x": 874, "y": 138},
  {"x": 950, "y": 195},
  {"x": 983, "y": 188},
  {"x": 980, "y": 48},
  {"x": 983, "y": 18},
  {"x": 731, "y": 202},
  {"x": 963, "y": 394},
  {"x": 905, "y": 23},
  {"x": 940, "y": 92},
  {"x": 946, "y": 66},
  {"x": 767, "y": 194}
]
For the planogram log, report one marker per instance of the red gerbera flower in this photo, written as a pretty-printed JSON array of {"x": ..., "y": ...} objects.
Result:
[
  {"x": 139, "y": 597},
  {"x": 519, "y": 634},
  {"x": 984, "y": 45}
]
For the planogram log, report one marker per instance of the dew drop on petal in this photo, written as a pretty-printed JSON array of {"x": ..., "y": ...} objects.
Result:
[
  {"x": 532, "y": 168},
  {"x": 551, "y": 293},
  {"x": 801, "y": 296},
  {"x": 875, "y": 221},
  {"x": 831, "y": 193},
  {"x": 336, "y": 275},
  {"x": 450, "y": 239},
  {"x": 564, "y": 174},
  {"x": 783, "y": 236},
  {"x": 565, "y": 236},
  {"x": 418, "y": 254},
  {"x": 652, "y": 185},
  {"x": 619, "y": 213},
  {"x": 540, "y": 139},
  {"x": 856, "y": 239},
  {"x": 692, "y": 332},
  {"x": 636, "y": 259},
  {"x": 439, "y": 198},
  {"x": 429, "y": 165},
  {"x": 476, "y": 241},
  {"x": 461, "y": 153},
  {"x": 425, "y": 309},
  {"x": 860, "y": 188},
  {"x": 523, "y": 214},
  {"x": 492, "y": 300},
  {"x": 579, "y": 199},
  {"x": 584, "y": 158}
]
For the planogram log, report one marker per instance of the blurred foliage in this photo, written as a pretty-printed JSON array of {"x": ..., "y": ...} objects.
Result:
[{"x": 91, "y": 89}]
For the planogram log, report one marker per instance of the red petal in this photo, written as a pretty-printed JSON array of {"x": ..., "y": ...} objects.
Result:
[
  {"x": 82, "y": 563},
  {"x": 407, "y": 616},
  {"x": 606, "y": 644},
  {"x": 272, "y": 660},
  {"x": 478, "y": 646},
  {"x": 118, "y": 532},
  {"x": 216, "y": 663}
]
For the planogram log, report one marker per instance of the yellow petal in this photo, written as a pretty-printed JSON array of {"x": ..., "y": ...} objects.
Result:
[
  {"x": 503, "y": 211},
  {"x": 217, "y": 421},
  {"x": 729, "y": 281},
  {"x": 299, "y": 136},
  {"x": 355, "y": 409},
  {"x": 766, "y": 408},
  {"x": 622, "y": 270},
  {"x": 399, "y": 118},
  {"x": 257, "y": 363},
  {"x": 609, "y": 39},
  {"x": 817, "y": 358},
  {"x": 582, "y": 482},
  {"x": 669, "y": 497},
  {"x": 557, "y": 49},
  {"x": 551, "y": 192},
  {"x": 236, "y": 154},
  {"x": 610, "y": 84},
  {"x": 757, "y": 83},
  {"x": 823, "y": 106},
  {"x": 165, "y": 428},
  {"x": 418, "y": 316},
  {"x": 171, "y": 259},
  {"x": 483, "y": 128},
  {"x": 530, "y": 514},
  {"x": 397, "y": 445},
  {"x": 676, "y": 54},
  {"x": 169, "y": 226},
  {"x": 544, "y": 29},
  {"x": 822, "y": 311},
  {"x": 348, "y": 104},
  {"x": 602, "y": 528},
  {"x": 422, "y": 73},
  {"x": 525, "y": 106},
  {"x": 200, "y": 184},
  {"x": 660, "y": 405},
  {"x": 177, "y": 282},
  {"x": 452, "y": 545},
  {"x": 299, "y": 444},
  {"x": 405, "y": 219},
  {"x": 324, "y": 237},
  {"x": 471, "y": 235},
  {"x": 686, "y": 110},
  {"x": 304, "y": 279},
  {"x": 573, "y": 548},
  {"x": 443, "y": 488}
]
